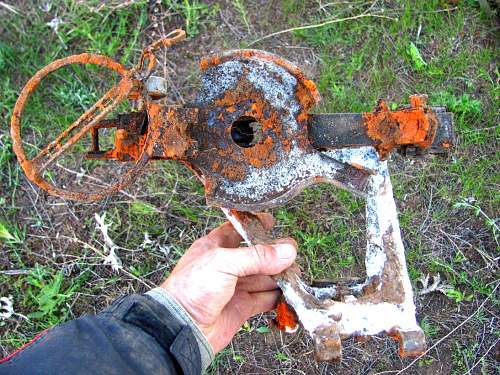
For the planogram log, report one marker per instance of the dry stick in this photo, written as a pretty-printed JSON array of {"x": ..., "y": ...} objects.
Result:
[
  {"x": 444, "y": 337},
  {"x": 305, "y": 27},
  {"x": 9, "y": 7}
]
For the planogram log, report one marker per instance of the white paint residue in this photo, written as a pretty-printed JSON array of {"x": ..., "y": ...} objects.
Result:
[
  {"x": 365, "y": 156},
  {"x": 382, "y": 219},
  {"x": 276, "y": 83},
  {"x": 291, "y": 330},
  {"x": 355, "y": 317},
  {"x": 297, "y": 169},
  {"x": 219, "y": 79},
  {"x": 375, "y": 259},
  {"x": 372, "y": 319},
  {"x": 350, "y": 299},
  {"x": 380, "y": 213},
  {"x": 310, "y": 319}
]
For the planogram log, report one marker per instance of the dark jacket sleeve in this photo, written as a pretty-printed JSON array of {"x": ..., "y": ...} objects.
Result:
[{"x": 135, "y": 335}]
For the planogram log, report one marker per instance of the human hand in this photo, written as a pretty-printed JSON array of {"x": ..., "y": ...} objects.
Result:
[{"x": 222, "y": 285}]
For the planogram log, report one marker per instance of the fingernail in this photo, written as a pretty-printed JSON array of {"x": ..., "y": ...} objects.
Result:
[
  {"x": 287, "y": 240},
  {"x": 285, "y": 250}
]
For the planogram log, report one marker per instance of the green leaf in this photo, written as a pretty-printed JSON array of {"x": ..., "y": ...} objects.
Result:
[
  {"x": 5, "y": 234},
  {"x": 263, "y": 329},
  {"x": 416, "y": 57},
  {"x": 246, "y": 327},
  {"x": 142, "y": 208},
  {"x": 458, "y": 295}
]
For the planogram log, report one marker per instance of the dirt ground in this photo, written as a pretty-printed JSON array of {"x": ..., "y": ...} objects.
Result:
[{"x": 52, "y": 253}]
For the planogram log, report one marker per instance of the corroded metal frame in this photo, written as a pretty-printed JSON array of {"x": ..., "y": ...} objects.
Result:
[
  {"x": 294, "y": 149},
  {"x": 383, "y": 303}
]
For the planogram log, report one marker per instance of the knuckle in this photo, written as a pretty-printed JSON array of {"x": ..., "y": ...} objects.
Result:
[
  {"x": 204, "y": 243},
  {"x": 218, "y": 256},
  {"x": 261, "y": 253}
]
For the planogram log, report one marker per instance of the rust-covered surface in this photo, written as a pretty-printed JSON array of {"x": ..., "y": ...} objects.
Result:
[
  {"x": 130, "y": 137},
  {"x": 248, "y": 136},
  {"x": 382, "y": 304},
  {"x": 405, "y": 130},
  {"x": 252, "y": 140},
  {"x": 414, "y": 126},
  {"x": 273, "y": 98},
  {"x": 128, "y": 146},
  {"x": 286, "y": 319},
  {"x": 35, "y": 167}
]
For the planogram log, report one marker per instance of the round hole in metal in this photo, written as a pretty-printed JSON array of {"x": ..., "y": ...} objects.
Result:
[{"x": 246, "y": 131}]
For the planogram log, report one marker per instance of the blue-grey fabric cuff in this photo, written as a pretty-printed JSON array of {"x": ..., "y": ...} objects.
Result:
[{"x": 176, "y": 309}]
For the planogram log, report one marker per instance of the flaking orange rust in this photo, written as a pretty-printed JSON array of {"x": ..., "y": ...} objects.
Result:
[
  {"x": 286, "y": 319},
  {"x": 308, "y": 96},
  {"x": 262, "y": 154},
  {"x": 244, "y": 91},
  {"x": 306, "y": 92},
  {"x": 232, "y": 171},
  {"x": 309, "y": 85},
  {"x": 414, "y": 126},
  {"x": 127, "y": 147},
  {"x": 172, "y": 141},
  {"x": 31, "y": 168},
  {"x": 129, "y": 86}
]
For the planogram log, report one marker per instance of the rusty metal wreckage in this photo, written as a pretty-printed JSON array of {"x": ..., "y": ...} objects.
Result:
[{"x": 251, "y": 140}]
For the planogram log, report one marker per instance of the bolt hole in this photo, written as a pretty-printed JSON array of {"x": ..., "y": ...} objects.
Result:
[{"x": 246, "y": 131}]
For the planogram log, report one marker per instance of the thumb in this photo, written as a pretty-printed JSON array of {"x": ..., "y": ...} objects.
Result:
[{"x": 258, "y": 259}]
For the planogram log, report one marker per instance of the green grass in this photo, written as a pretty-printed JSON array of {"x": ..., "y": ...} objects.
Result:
[
  {"x": 193, "y": 12},
  {"x": 325, "y": 238},
  {"x": 368, "y": 59},
  {"x": 47, "y": 294},
  {"x": 448, "y": 206},
  {"x": 240, "y": 7}
]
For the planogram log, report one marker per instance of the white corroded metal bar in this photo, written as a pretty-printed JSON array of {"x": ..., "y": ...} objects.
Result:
[{"x": 383, "y": 304}]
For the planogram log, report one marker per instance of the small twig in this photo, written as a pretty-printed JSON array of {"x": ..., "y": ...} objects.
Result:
[
  {"x": 429, "y": 206},
  {"x": 440, "y": 10},
  {"x": 14, "y": 272},
  {"x": 9, "y": 7},
  {"x": 314, "y": 26},
  {"x": 104, "y": 184},
  {"x": 112, "y": 7}
]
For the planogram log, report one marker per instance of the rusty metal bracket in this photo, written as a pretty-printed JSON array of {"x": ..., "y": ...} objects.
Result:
[
  {"x": 383, "y": 303},
  {"x": 251, "y": 139}
]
